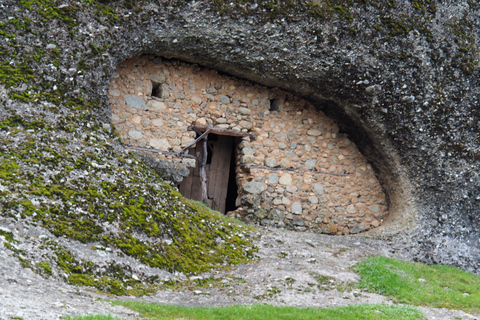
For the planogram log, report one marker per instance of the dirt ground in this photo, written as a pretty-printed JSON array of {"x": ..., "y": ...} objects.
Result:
[{"x": 294, "y": 269}]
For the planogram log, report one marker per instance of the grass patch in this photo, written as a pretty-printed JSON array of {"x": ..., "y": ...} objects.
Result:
[
  {"x": 94, "y": 317},
  {"x": 266, "y": 312},
  {"x": 418, "y": 284}
]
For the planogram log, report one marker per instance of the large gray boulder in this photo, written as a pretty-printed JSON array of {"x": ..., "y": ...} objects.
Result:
[{"x": 400, "y": 77}]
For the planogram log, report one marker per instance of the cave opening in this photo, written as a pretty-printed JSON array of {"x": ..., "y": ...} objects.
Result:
[
  {"x": 156, "y": 89},
  {"x": 275, "y": 105}
]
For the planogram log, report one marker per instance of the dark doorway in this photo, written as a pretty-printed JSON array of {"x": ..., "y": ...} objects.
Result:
[{"x": 220, "y": 173}]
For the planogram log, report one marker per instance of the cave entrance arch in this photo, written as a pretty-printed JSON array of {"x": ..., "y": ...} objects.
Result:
[{"x": 219, "y": 173}]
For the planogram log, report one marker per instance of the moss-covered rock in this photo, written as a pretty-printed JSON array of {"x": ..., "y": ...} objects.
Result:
[
  {"x": 74, "y": 179},
  {"x": 65, "y": 170}
]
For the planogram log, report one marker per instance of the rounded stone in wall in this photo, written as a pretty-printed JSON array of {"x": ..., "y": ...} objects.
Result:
[
  {"x": 255, "y": 187},
  {"x": 313, "y": 199},
  {"x": 273, "y": 178},
  {"x": 318, "y": 188},
  {"x": 155, "y": 105},
  {"x": 135, "y": 134},
  {"x": 160, "y": 144},
  {"x": 286, "y": 179},
  {"x": 297, "y": 208},
  {"x": 270, "y": 162}
]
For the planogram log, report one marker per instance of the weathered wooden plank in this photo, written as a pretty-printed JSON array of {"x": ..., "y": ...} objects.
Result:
[
  {"x": 160, "y": 151},
  {"x": 196, "y": 190},
  {"x": 224, "y": 132},
  {"x": 185, "y": 187},
  {"x": 220, "y": 172},
  {"x": 190, "y": 186},
  {"x": 203, "y": 172},
  {"x": 211, "y": 170},
  {"x": 207, "y": 130}
]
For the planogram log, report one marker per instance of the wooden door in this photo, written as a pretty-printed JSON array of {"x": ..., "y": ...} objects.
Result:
[
  {"x": 190, "y": 187},
  {"x": 217, "y": 172}
]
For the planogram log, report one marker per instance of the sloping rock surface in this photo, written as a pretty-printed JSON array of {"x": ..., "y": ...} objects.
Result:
[{"x": 294, "y": 269}]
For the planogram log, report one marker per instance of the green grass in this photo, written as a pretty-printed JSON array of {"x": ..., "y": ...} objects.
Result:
[
  {"x": 418, "y": 284},
  {"x": 93, "y": 317},
  {"x": 266, "y": 312}
]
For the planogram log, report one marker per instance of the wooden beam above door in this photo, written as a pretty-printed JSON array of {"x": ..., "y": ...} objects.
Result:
[{"x": 223, "y": 132}]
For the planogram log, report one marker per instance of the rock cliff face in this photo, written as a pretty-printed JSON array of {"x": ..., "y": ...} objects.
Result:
[{"x": 401, "y": 78}]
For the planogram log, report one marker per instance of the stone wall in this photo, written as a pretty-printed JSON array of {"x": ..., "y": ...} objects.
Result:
[{"x": 298, "y": 172}]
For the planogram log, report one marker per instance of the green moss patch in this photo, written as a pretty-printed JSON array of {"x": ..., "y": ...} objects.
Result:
[
  {"x": 93, "y": 192},
  {"x": 44, "y": 268},
  {"x": 7, "y": 234},
  {"x": 467, "y": 56}
]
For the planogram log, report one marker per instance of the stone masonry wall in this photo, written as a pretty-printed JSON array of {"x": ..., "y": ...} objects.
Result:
[{"x": 311, "y": 176}]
